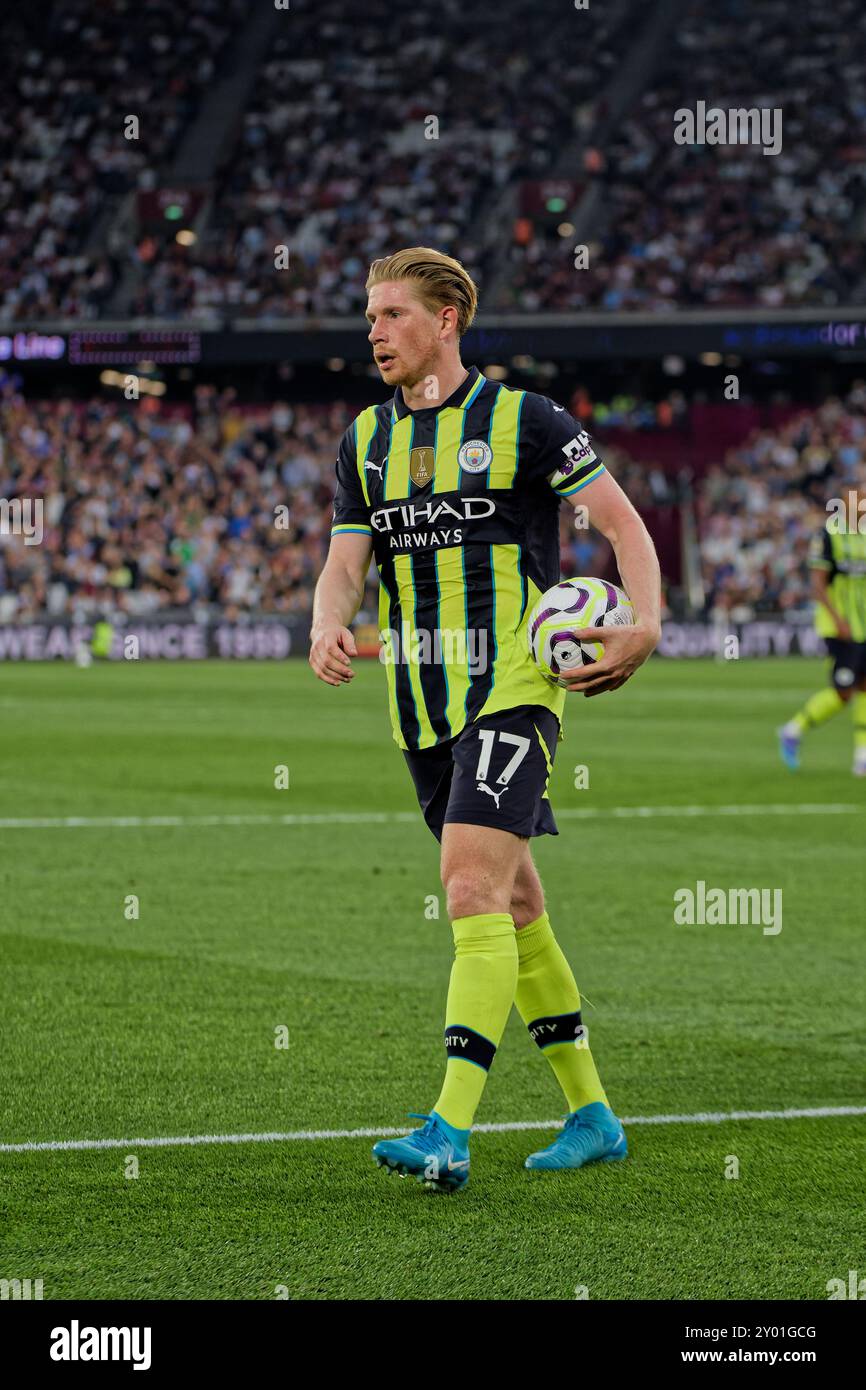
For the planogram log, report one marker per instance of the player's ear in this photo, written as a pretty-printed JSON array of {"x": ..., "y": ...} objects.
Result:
[{"x": 449, "y": 320}]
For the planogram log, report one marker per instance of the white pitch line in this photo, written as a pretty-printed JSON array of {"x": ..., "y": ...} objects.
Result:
[
  {"x": 818, "y": 808},
  {"x": 707, "y": 1117}
]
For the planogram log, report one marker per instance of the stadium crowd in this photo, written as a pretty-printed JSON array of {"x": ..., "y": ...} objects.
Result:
[
  {"x": 224, "y": 508},
  {"x": 144, "y": 513},
  {"x": 74, "y": 72},
  {"x": 760, "y": 507},
  {"x": 726, "y": 225},
  {"x": 146, "y": 510},
  {"x": 367, "y": 131}
]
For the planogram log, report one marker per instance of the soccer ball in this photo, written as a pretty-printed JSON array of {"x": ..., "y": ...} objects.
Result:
[{"x": 574, "y": 603}]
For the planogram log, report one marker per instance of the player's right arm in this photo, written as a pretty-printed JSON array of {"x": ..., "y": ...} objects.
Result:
[
  {"x": 822, "y": 568},
  {"x": 821, "y": 594},
  {"x": 340, "y": 590},
  {"x": 339, "y": 594}
]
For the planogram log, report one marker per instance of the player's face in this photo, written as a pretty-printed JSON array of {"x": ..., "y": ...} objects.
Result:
[{"x": 403, "y": 333}]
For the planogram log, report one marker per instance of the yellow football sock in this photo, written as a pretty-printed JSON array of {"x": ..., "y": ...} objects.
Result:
[
  {"x": 548, "y": 1001},
  {"x": 858, "y": 709},
  {"x": 818, "y": 709},
  {"x": 480, "y": 995}
]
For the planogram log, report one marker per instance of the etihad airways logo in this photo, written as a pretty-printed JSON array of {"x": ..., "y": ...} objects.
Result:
[{"x": 400, "y": 521}]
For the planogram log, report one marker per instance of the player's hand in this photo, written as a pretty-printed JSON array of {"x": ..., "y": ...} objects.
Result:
[
  {"x": 844, "y": 630},
  {"x": 625, "y": 649},
  {"x": 330, "y": 649}
]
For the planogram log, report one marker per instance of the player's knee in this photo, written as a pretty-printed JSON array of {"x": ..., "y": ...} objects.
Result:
[
  {"x": 470, "y": 894},
  {"x": 527, "y": 900},
  {"x": 527, "y": 905},
  {"x": 527, "y": 895}
]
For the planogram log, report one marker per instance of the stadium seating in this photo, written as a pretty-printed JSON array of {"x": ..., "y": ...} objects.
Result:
[
  {"x": 415, "y": 131},
  {"x": 149, "y": 509},
  {"x": 337, "y": 158},
  {"x": 74, "y": 72},
  {"x": 759, "y": 506},
  {"x": 683, "y": 226}
]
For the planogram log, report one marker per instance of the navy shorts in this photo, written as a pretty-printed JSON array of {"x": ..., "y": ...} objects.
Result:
[
  {"x": 494, "y": 772},
  {"x": 849, "y": 662}
]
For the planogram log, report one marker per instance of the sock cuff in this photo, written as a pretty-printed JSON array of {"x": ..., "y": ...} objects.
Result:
[
  {"x": 557, "y": 1028},
  {"x": 535, "y": 936},
  {"x": 482, "y": 926},
  {"x": 468, "y": 1045}
]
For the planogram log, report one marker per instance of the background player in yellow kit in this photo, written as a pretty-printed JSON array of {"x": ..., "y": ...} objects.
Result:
[{"x": 837, "y": 558}]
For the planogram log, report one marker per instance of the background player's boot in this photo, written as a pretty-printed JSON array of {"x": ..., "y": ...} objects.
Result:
[
  {"x": 858, "y": 767},
  {"x": 789, "y": 747},
  {"x": 592, "y": 1134},
  {"x": 437, "y": 1154}
]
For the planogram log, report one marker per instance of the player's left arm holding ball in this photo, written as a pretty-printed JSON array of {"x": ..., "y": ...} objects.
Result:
[
  {"x": 567, "y": 450},
  {"x": 625, "y": 648}
]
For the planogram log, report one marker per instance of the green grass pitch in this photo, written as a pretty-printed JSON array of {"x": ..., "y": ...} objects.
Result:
[{"x": 165, "y": 1025}]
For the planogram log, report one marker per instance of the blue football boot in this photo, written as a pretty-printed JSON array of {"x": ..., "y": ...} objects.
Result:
[
  {"x": 437, "y": 1155},
  {"x": 789, "y": 748},
  {"x": 592, "y": 1134}
]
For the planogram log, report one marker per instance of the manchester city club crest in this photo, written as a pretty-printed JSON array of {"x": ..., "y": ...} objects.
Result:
[
  {"x": 421, "y": 464},
  {"x": 474, "y": 456}
]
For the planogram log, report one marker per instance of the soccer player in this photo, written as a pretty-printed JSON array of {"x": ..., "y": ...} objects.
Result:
[
  {"x": 837, "y": 557},
  {"x": 455, "y": 486}
]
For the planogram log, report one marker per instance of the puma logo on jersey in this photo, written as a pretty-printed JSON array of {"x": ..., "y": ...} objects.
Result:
[
  {"x": 377, "y": 467},
  {"x": 483, "y": 787}
]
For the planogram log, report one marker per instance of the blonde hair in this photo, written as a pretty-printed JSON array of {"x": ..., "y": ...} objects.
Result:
[{"x": 441, "y": 281}]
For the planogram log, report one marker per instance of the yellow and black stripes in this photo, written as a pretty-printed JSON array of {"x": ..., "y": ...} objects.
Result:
[
  {"x": 569, "y": 490},
  {"x": 447, "y": 589},
  {"x": 462, "y": 554},
  {"x": 416, "y": 573},
  {"x": 841, "y": 554}
]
